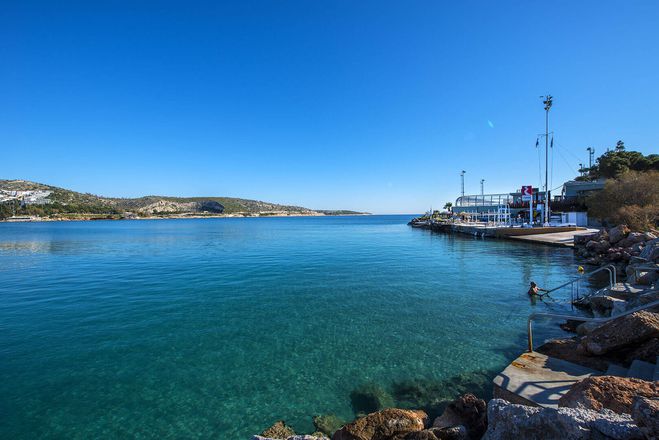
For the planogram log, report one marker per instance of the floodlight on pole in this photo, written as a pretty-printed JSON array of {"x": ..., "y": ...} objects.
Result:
[
  {"x": 547, "y": 101},
  {"x": 462, "y": 176},
  {"x": 482, "y": 190}
]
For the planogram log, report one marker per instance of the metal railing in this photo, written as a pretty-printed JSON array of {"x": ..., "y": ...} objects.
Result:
[
  {"x": 529, "y": 324},
  {"x": 574, "y": 293}
]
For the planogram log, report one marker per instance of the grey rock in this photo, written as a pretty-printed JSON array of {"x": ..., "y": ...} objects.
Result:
[
  {"x": 645, "y": 413},
  {"x": 507, "y": 421},
  {"x": 587, "y": 328},
  {"x": 618, "y": 233},
  {"x": 647, "y": 236}
]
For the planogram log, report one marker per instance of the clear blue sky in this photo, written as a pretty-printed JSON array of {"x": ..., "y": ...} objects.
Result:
[{"x": 365, "y": 105}]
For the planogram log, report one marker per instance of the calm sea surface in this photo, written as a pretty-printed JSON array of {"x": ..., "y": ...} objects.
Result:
[{"x": 216, "y": 328}]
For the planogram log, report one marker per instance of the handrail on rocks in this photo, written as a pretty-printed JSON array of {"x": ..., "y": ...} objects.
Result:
[
  {"x": 613, "y": 279},
  {"x": 532, "y": 316}
]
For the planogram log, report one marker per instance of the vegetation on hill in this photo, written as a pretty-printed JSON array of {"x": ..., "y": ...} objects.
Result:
[
  {"x": 631, "y": 191},
  {"x": 617, "y": 161},
  {"x": 631, "y": 199},
  {"x": 71, "y": 204}
]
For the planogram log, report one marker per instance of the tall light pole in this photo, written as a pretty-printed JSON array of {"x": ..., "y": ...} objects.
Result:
[
  {"x": 462, "y": 176},
  {"x": 482, "y": 182},
  {"x": 547, "y": 102},
  {"x": 591, "y": 155}
]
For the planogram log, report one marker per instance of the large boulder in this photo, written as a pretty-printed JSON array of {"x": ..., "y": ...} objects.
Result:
[
  {"x": 647, "y": 352},
  {"x": 280, "y": 430},
  {"x": 645, "y": 413},
  {"x": 388, "y": 424},
  {"x": 607, "y": 305},
  {"x": 586, "y": 328},
  {"x": 622, "y": 332},
  {"x": 468, "y": 411},
  {"x": 632, "y": 239},
  {"x": 568, "y": 350},
  {"x": 452, "y": 433},
  {"x": 650, "y": 250},
  {"x": 618, "y": 233},
  {"x": 597, "y": 247},
  {"x": 293, "y": 437},
  {"x": 508, "y": 421},
  {"x": 610, "y": 392}
]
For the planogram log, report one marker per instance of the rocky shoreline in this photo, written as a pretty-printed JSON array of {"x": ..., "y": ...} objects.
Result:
[{"x": 599, "y": 407}]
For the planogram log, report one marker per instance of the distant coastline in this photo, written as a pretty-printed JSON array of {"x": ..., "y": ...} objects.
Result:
[
  {"x": 175, "y": 217},
  {"x": 22, "y": 200}
]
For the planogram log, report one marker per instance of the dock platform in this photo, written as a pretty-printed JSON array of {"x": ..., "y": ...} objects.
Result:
[{"x": 565, "y": 238}]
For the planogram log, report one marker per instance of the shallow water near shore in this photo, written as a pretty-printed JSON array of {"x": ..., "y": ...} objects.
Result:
[{"x": 216, "y": 328}]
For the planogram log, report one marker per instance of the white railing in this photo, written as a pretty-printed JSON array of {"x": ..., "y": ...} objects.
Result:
[
  {"x": 574, "y": 283},
  {"x": 533, "y": 316}
]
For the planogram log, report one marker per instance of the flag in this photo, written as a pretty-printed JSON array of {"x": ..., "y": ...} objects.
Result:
[
  {"x": 537, "y": 142},
  {"x": 552, "y": 142}
]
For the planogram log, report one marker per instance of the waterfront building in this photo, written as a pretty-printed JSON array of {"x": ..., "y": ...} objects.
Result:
[
  {"x": 575, "y": 189},
  {"x": 499, "y": 208}
]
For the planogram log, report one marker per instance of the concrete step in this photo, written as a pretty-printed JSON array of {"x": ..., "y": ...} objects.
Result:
[
  {"x": 616, "y": 370},
  {"x": 641, "y": 370},
  {"x": 623, "y": 290},
  {"x": 538, "y": 380}
]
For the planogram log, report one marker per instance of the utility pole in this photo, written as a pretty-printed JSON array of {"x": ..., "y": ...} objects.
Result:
[
  {"x": 482, "y": 192},
  {"x": 591, "y": 155},
  {"x": 547, "y": 102}
]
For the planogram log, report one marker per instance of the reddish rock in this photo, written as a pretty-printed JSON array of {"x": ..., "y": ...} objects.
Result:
[
  {"x": 611, "y": 392},
  {"x": 468, "y": 411},
  {"x": 622, "y": 332},
  {"x": 388, "y": 424},
  {"x": 279, "y": 430}
]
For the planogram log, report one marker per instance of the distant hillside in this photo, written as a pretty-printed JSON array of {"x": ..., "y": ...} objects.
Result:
[{"x": 25, "y": 198}]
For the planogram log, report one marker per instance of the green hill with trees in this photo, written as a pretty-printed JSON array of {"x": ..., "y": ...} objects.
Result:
[{"x": 25, "y": 198}]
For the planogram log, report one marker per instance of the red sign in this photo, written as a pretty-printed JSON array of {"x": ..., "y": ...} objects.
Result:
[{"x": 527, "y": 193}]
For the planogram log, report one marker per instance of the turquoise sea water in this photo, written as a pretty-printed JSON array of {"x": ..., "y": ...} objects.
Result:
[{"x": 216, "y": 328}]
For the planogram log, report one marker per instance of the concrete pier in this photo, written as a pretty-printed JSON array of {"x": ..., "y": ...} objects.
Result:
[{"x": 553, "y": 235}]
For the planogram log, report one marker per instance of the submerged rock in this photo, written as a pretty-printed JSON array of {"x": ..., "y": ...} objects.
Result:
[
  {"x": 369, "y": 398},
  {"x": 468, "y": 411},
  {"x": 293, "y": 437},
  {"x": 610, "y": 392},
  {"x": 280, "y": 430},
  {"x": 388, "y": 424},
  {"x": 622, "y": 332},
  {"x": 508, "y": 421},
  {"x": 328, "y": 423}
]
